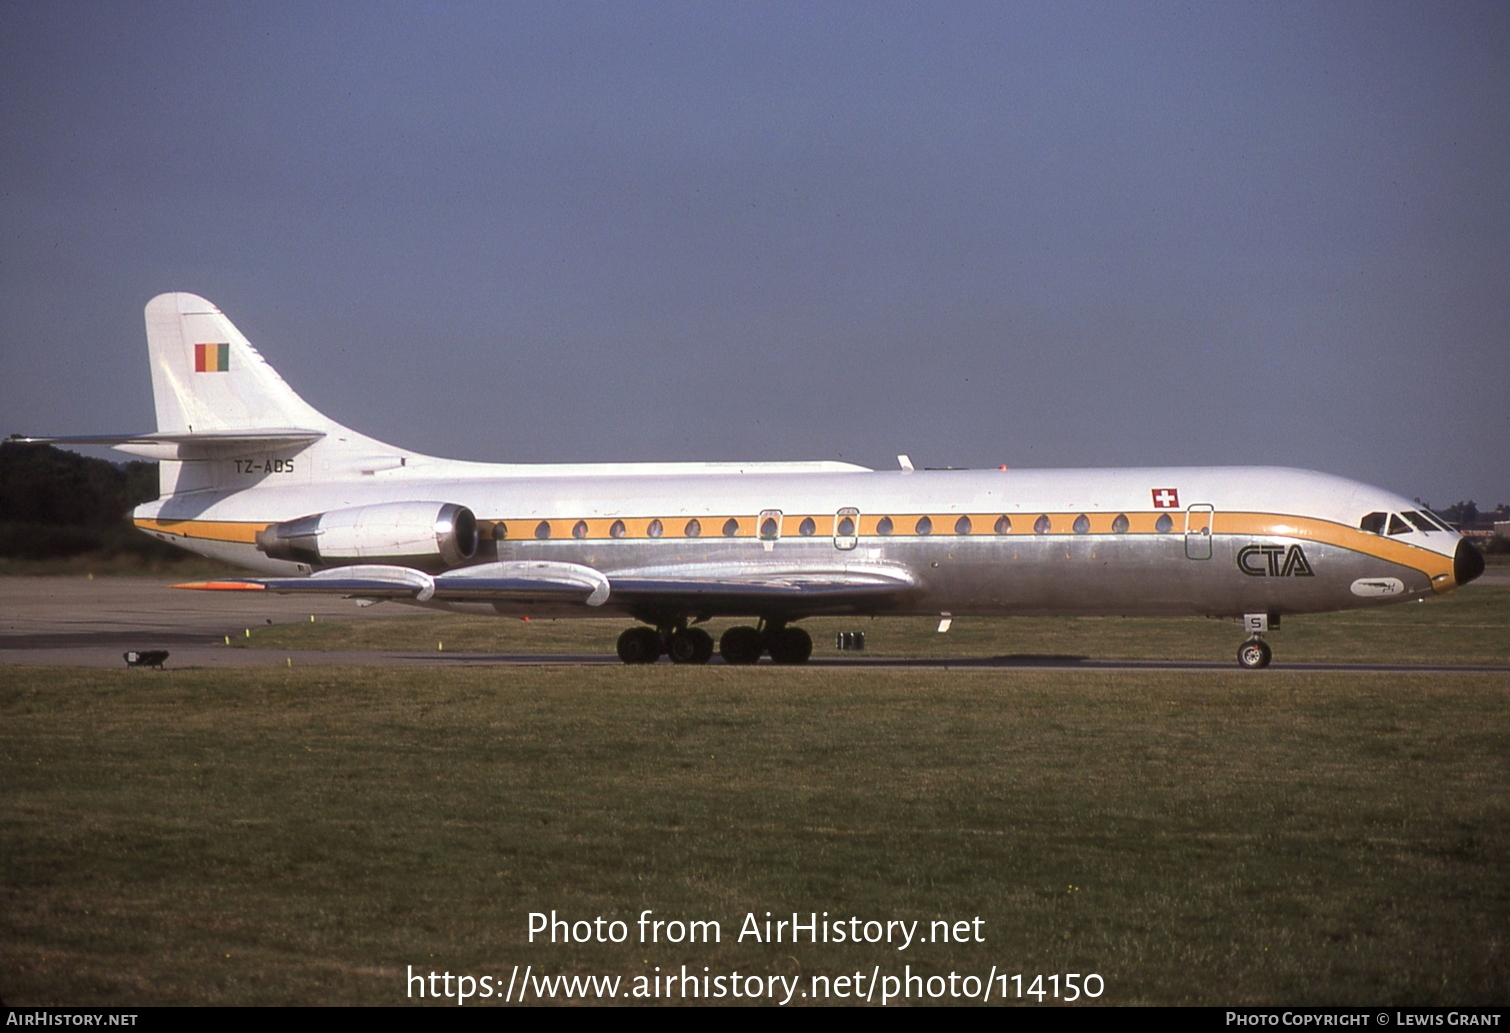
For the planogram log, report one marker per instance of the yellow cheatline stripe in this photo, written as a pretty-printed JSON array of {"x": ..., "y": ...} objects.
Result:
[
  {"x": 821, "y": 526},
  {"x": 602, "y": 528},
  {"x": 1432, "y": 564},
  {"x": 904, "y": 525},
  {"x": 211, "y": 530}
]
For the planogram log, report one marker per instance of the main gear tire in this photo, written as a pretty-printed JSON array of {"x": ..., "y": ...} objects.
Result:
[
  {"x": 740, "y": 645},
  {"x": 791, "y": 646},
  {"x": 640, "y": 646},
  {"x": 691, "y": 646}
]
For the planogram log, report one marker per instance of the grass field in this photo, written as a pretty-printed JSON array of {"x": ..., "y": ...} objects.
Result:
[
  {"x": 305, "y": 835},
  {"x": 1470, "y": 626}
]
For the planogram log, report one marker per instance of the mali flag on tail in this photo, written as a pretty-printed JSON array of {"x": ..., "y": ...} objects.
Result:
[{"x": 212, "y": 358}]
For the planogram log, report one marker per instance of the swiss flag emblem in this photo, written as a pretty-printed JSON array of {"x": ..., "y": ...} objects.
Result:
[{"x": 1166, "y": 498}]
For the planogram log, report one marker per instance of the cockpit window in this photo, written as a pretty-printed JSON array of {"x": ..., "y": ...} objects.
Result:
[
  {"x": 1422, "y": 524},
  {"x": 1444, "y": 525},
  {"x": 1373, "y": 523},
  {"x": 1398, "y": 526}
]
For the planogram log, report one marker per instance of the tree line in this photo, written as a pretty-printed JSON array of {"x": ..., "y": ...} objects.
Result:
[{"x": 55, "y": 504}]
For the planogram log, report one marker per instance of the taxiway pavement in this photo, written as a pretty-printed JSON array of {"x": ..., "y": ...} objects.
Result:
[{"x": 81, "y": 622}]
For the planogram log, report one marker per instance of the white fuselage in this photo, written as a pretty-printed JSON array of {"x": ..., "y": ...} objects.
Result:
[{"x": 1061, "y": 550}]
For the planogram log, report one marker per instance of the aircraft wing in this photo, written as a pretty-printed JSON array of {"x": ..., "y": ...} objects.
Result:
[
  {"x": 487, "y": 582},
  {"x": 720, "y": 589}
]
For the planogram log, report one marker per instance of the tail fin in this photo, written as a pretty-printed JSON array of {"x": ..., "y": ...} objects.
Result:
[
  {"x": 207, "y": 377},
  {"x": 226, "y": 419}
]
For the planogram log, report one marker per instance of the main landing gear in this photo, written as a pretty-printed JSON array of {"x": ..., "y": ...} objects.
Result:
[
  {"x": 738, "y": 645},
  {"x": 744, "y": 644},
  {"x": 1255, "y": 653},
  {"x": 684, "y": 645}
]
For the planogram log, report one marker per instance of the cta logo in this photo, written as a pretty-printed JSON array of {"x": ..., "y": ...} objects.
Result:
[{"x": 1273, "y": 561}]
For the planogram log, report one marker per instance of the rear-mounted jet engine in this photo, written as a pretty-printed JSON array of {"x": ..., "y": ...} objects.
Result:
[{"x": 428, "y": 535}]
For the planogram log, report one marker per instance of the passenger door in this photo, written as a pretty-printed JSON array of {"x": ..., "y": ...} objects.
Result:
[{"x": 1198, "y": 521}]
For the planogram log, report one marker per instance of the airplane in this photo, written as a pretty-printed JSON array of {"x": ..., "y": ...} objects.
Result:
[{"x": 253, "y": 475}]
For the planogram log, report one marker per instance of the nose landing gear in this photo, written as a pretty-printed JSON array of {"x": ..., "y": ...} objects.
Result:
[{"x": 1255, "y": 653}]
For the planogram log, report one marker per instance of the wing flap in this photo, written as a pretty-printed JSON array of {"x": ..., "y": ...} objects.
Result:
[{"x": 754, "y": 590}]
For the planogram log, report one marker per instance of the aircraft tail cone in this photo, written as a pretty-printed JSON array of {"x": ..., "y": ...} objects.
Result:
[{"x": 1467, "y": 562}]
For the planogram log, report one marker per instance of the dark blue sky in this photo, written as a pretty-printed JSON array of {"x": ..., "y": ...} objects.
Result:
[{"x": 1043, "y": 235}]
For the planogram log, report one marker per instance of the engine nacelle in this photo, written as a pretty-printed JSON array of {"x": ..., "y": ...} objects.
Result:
[{"x": 433, "y": 535}]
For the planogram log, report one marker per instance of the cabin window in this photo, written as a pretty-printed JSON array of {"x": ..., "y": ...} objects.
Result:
[
  {"x": 579, "y": 529},
  {"x": 543, "y": 529},
  {"x": 731, "y": 527},
  {"x": 807, "y": 527},
  {"x": 1373, "y": 523},
  {"x": 1003, "y": 524},
  {"x": 1398, "y": 526},
  {"x": 1163, "y": 525},
  {"x": 1041, "y": 525},
  {"x": 617, "y": 530},
  {"x": 694, "y": 528},
  {"x": 846, "y": 527},
  {"x": 1082, "y": 524},
  {"x": 654, "y": 530},
  {"x": 500, "y": 531},
  {"x": 1120, "y": 525},
  {"x": 768, "y": 528},
  {"x": 883, "y": 526},
  {"x": 1420, "y": 521},
  {"x": 962, "y": 525},
  {"x": 924, "y": 525}
]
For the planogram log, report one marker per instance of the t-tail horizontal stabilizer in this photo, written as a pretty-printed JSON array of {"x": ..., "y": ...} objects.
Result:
[{"x": 189, "y": 447}]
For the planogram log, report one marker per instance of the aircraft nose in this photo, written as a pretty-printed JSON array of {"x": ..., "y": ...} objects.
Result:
[{"x": 1467, "y": 562}]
